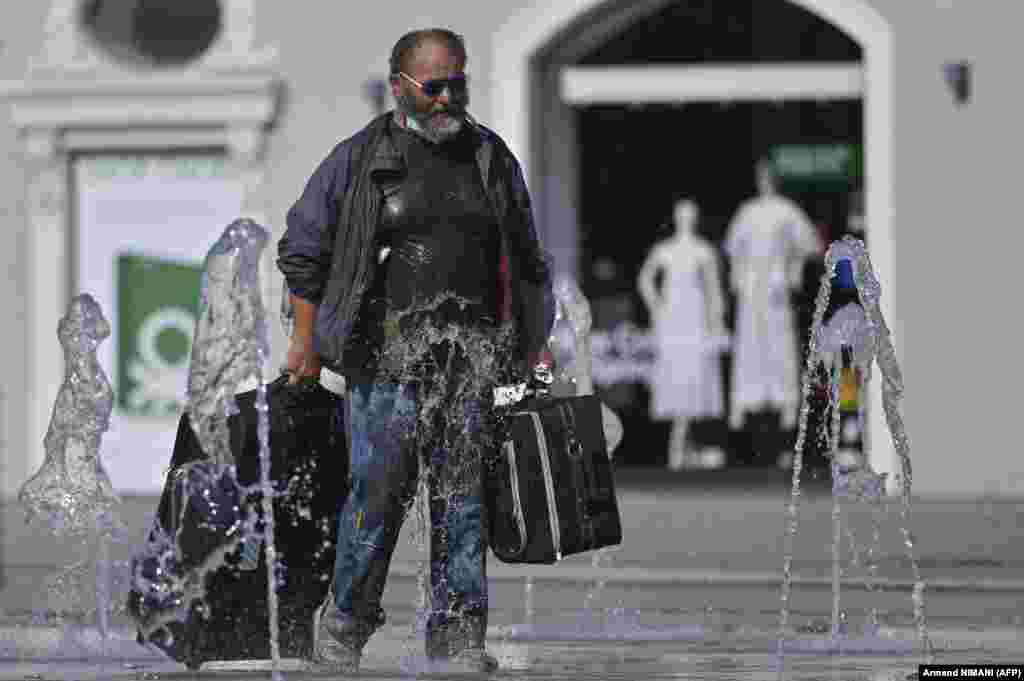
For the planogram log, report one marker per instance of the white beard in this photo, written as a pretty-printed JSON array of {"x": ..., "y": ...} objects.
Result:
[
  {"x": 435, "y": 128},
  {"x": 445, "y": 126}
]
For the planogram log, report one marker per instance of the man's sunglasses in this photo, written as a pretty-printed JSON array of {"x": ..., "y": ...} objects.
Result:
[{"x": 456, "y": 85}]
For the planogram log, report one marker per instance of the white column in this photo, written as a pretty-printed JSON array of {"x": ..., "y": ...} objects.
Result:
[
  {"x": 881, "y": 237},
  {"x": 48, "y": 278},
  {"x": 246, "y": 147}
]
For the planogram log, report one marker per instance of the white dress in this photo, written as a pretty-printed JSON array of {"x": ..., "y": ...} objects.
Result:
[
  {"x": 685, "y": 380},
  {"x": 767, "y": 241}
]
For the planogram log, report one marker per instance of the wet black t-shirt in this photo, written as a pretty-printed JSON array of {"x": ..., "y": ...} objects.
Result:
[{"x": 437, "y": 247}]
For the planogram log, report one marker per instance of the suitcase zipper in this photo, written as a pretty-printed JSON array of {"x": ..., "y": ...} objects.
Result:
[
  {"x": 517, "y": 503},
  {"x": 549, "y": 485}
]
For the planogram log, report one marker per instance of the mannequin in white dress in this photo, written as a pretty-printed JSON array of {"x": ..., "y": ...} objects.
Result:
[
  {"x": 687, "y": 319},
  {"x": 767, "y": 241}
]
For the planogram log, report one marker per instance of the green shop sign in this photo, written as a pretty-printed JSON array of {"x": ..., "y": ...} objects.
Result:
[
  {"x": 818, "y": 166},
  {"x": 158, "y": 302},
  {"x": 170, "y": 167}
]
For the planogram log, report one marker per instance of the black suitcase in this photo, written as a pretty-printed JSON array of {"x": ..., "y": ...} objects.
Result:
[
  {"x": 224, "y": 616},
  {"x": 550, "y": 491}
]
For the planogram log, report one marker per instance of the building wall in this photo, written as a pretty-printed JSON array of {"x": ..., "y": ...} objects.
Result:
[
  {"x": 955, "y": 210},
  {"x": 956, "y": 243},
  {"x": 18, "y": 38}
]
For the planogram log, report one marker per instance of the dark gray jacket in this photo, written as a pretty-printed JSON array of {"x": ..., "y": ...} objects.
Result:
[{"x": 326, "y": 253}]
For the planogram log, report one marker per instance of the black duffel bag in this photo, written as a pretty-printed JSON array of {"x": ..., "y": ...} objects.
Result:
[
  {"x": 550, "y": 491},
  {"x": 195, "y": 615}
]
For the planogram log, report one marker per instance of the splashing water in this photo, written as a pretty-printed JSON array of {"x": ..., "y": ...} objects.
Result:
[
  {"x": 570, "y": 340},
  {"x": 230, "y": 348},
  {"x": 892, "y": 393},
  {"x": 454, "y": 367},
  {"x": 72, "y": 490},
  {"x": 858, "y": 333},
  {"x": 170, "y": 583},
  {"x": 421, "y": 534},
  {"x": 226, "y": 350},
  {"x": 865, "y": 559},
  {"x": 250, "y": 239},
  {"x": 602, "y": 561},
  {"x": 71, "y": 497}
]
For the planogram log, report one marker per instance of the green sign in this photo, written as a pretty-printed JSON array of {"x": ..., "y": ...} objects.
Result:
[
  {"x": 172, "y": 167},
  {"x": 157, "y": 306},
  {"x": 818, "y": 165}
]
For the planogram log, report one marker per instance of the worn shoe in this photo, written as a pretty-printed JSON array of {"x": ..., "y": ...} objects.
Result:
[
  {"x": 340, "y": 657},
  {"x": 458, "y": 644},
  {"x": 342, "y": 650}
]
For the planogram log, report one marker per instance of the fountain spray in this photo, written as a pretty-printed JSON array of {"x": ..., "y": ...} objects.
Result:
[
  {"x": 71, "y": 497},
  {"x": 860, "y": 333}
]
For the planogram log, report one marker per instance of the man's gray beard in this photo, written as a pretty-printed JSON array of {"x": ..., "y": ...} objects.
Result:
[{"x": 427, "y": 126}]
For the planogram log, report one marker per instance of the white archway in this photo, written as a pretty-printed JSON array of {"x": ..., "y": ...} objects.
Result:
[{"x": 538, "y": 21}]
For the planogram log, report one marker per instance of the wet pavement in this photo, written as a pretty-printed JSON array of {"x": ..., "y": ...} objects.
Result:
[{"x": 693, "y": 593}]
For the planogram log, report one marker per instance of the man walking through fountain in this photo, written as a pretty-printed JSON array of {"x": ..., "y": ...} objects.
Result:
[{"x": 415, "y": 271}]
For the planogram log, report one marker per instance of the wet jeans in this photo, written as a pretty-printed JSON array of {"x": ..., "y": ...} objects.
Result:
[{"x": 392, "y": 429}]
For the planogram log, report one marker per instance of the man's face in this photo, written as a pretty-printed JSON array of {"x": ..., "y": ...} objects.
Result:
[{"x": 440, "y": 117}]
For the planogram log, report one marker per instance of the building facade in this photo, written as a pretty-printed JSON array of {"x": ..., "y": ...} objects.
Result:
[{"x": 260, "y": 105}]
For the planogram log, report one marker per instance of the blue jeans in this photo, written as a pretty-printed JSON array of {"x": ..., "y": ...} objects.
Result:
[{"x": 392, "y": 430}]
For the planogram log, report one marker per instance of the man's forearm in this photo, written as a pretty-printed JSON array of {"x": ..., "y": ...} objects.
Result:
[{"x": 305, "y": 317}]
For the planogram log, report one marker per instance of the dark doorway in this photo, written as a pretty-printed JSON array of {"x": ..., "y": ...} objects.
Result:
[
  {"x": 634, "y": 163},
  {"x": 636, "y": 160},
  {"x": 605, "y": 177}
]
